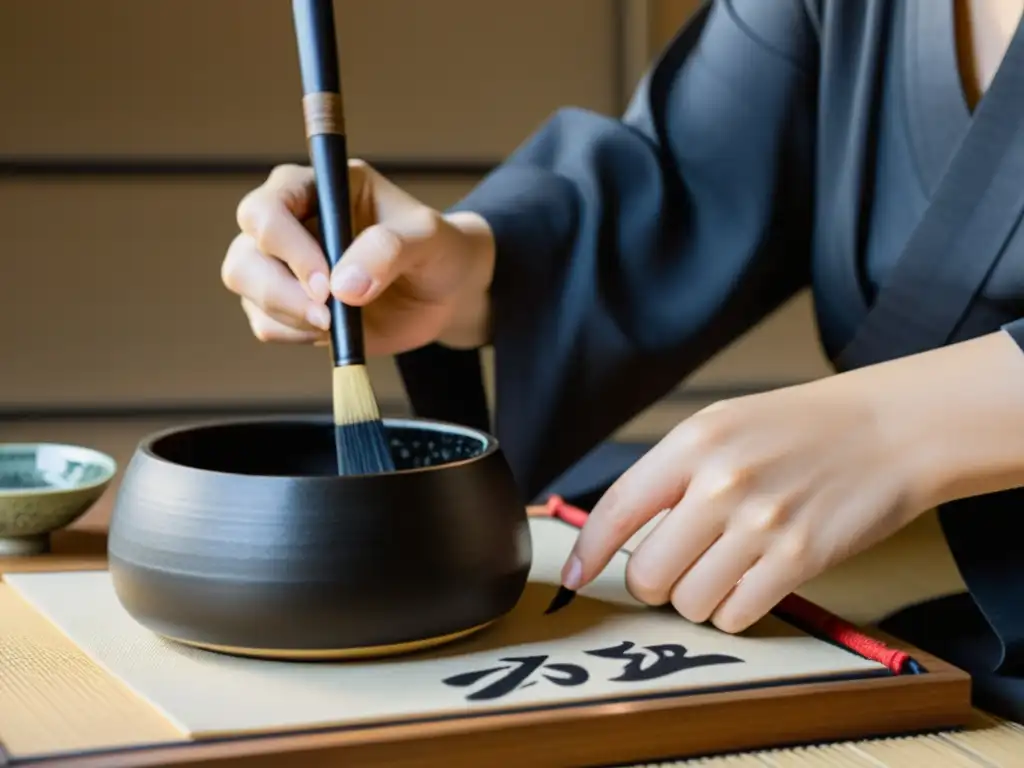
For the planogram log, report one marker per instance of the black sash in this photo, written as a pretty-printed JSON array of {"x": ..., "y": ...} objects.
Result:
[{"x": 925, "y": 305}]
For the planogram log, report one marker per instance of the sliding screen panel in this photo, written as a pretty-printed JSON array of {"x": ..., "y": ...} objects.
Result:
[
  {"x": 422, "y": 78},
  {"x": 110, "y": 296}
]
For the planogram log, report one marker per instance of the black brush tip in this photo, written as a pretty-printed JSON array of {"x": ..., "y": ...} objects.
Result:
[
  {"x": 562, "y": 598},
  {"x": 914, "y": 667},
  {"x": 362, "y": 448}
]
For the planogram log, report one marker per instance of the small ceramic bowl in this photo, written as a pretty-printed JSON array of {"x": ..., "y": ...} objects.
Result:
[{"x": 45, "y": 487}]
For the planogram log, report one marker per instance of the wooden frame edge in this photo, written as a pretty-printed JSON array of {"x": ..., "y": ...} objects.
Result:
[{"x": 599, "y": 733}]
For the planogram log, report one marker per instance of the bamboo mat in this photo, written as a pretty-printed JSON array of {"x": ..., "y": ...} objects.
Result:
[
  {"x": 986, "y": 743},
  {"x": 54, "y": 698}
]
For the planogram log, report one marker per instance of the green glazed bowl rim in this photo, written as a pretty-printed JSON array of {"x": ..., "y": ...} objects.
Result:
[{"x": 84, "y": 453}]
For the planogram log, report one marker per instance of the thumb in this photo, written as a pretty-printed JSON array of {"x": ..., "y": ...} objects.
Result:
[{"x": 381, "y": 254}]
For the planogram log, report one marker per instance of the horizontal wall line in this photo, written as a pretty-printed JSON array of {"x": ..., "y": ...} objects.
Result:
[
  {"x": 388, "y": 407},
  {"x": 166, "y": 410},
  {"x": 103, "y": 167}
]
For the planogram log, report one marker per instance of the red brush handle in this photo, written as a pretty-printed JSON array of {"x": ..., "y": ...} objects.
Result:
[{"x": 792, "y": 608}]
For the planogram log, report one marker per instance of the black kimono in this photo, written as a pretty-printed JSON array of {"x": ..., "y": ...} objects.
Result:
[{"x": 776, "y": 144}]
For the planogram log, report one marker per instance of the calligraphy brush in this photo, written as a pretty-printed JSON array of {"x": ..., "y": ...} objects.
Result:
[
  {"x": 359, "y": 433},
  {"x": 562, "y": 598}
]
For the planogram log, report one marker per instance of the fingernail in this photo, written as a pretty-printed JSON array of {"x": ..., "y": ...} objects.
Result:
[
  {"x": 319, "y": 317},
  {"x": 319, "y": 287},
  {"x": 572, "y": 573},
  {"x": 350, "y": 280}
]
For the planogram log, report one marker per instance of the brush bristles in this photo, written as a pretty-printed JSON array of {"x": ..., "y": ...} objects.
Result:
[
  {"x": 562, "y": 598},
  {"x": 358, "y": 431},
  {"x": 354, "y": 401}
]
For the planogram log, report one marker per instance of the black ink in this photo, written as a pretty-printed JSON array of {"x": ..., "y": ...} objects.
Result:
[
  {"x": 667, "y": 660},
  {"x": 562, "y": 598},
  {"x": 517, "y": 674}
]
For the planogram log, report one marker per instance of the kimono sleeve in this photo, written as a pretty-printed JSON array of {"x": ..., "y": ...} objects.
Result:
[{"x": 630, "y": 250}]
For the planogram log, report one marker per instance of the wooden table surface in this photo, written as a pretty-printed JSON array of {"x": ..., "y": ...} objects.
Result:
[{"x": 913, "y": 565}]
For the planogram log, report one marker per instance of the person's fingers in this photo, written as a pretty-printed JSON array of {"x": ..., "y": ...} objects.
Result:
[
  {"x": 382, "y": 252},
  {"x": 706, "y": 584},
  {"x": 295, "y": 186},
  {"x": 375, "y": 198},
  {"x": 656, "y": 482},
  {"x": 273, "y": 214},
  {"x": 748, "y": 534},
  {"x": 266, "y": 328},
  {"x": 680, "y": 539},
  {"x": 783, "y": 569},
  {"x": 266, "y": 283}
]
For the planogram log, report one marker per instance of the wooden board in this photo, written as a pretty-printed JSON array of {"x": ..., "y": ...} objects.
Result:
[{"x": 209, "y": 697}]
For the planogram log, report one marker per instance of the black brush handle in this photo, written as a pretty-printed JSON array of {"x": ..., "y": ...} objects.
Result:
[{"x": 324, "y": 115}]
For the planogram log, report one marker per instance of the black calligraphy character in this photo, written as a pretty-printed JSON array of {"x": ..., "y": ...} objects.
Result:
[
  {"x": 517, "y": 674},
  {"x": 667, "y": 660}
]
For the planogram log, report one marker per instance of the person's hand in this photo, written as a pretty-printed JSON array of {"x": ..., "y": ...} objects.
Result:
[
  {"x": 420, "y": 276},
  {"x": 764, "y": 493}
]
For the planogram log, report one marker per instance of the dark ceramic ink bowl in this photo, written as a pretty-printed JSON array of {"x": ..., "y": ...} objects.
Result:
[{"x": 240, "y": 537}]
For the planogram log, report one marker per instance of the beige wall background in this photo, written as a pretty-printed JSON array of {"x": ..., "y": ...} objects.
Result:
[{"x": 109, "y": 287}]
